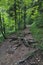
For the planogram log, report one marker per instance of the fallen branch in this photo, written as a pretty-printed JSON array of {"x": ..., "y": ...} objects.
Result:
[{"x": 31, "y": 54}]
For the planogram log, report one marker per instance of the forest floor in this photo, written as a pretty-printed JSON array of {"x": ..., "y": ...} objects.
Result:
[{"x": 20, "y": 49}]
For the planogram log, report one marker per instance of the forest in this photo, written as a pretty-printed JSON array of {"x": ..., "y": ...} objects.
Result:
[{"x": 21, "y": 32}]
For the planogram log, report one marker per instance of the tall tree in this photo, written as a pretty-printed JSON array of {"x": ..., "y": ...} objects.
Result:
[
  {"x": 15, "y": 7},
  {"x": 24, "y": 16},
  {"x": 2, "y": 26}
]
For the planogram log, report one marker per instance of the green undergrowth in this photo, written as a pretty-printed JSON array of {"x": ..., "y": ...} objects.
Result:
[
  {"x": 37, "y": 34},
  {"x": 7, "y": 34},
  {"x": 1, "y": 38}
]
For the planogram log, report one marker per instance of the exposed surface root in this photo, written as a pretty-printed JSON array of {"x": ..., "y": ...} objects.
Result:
[{"x": 20, "y": 50}]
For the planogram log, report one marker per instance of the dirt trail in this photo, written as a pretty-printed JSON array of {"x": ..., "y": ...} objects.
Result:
[{"x": 17, "y": 50}]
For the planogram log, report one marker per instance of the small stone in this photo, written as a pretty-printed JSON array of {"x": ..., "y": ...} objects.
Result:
[
  {"x": 15, "y": 63},
  {"x": 38, "y": 60}
]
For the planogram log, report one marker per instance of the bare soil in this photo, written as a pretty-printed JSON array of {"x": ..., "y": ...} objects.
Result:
[{"x": 14, "y": 49}]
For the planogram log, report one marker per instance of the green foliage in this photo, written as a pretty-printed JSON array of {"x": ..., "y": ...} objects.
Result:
[
  {"x": 37, "y": 34},
  {"x": 39, "y": 22},
  {"x": 18, "y": 13}
]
